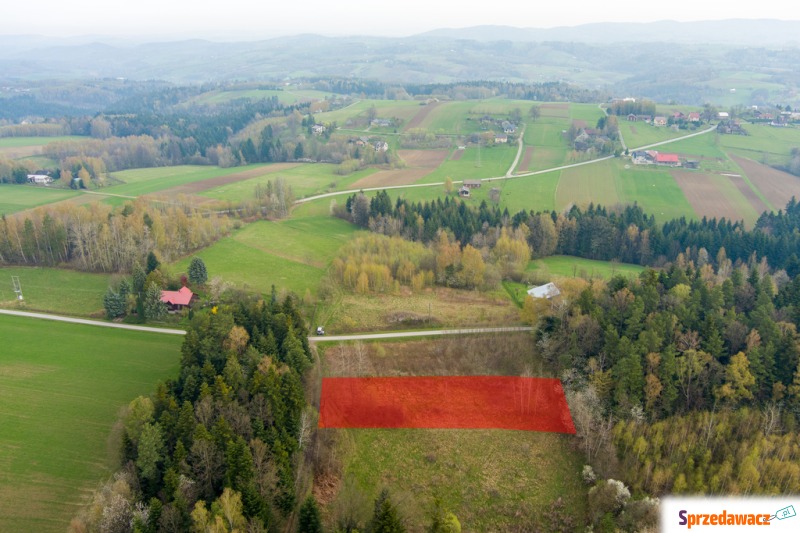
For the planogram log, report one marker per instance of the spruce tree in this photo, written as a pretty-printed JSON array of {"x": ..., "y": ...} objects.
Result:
[
  {"x": 310, "y": 521},
  {"x": 198, "y": 274}
]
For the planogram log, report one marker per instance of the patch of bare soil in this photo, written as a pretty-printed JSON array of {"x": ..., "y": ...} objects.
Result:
[
  {"x": 757, "y": 203},
  {"x": 458, "y": 154},
  {"x": 420, "y": 164},
  {"x": 199, "y": 186},
  {"x": 777, "y": 186},
  {"x": 419, "y": 118},
  {"x": 704, "y": 196},
  {"x": 526, "y": 160}
]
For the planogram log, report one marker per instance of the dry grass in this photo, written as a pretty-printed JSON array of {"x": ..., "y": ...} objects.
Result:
[{"x": 438, "y": 307}]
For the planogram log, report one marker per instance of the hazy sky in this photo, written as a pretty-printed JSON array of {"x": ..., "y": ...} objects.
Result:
[{"x": 267, "y": 18}]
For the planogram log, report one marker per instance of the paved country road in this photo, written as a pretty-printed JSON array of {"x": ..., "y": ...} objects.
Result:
[
  {"x": 327, "y": 338},
  {"x": 401, "y": 334},
  {"x": 88, "y": 322}
]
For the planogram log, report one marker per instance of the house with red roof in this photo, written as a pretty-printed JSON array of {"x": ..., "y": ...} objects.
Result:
[
  {"x": 670, "y": 160},
  {"x": 178, "y": 300}
]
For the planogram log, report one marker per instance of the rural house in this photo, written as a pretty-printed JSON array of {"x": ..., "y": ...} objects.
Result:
[
  {"x": 40, "y": 179},
  {"x": 178, "y": 300},
  {"x": 464, "y": 192},
  {"x": 472, "y": 184},
  {"x": 318, "y": 129},
  {"x": 660, "y": 121},
  {"x": 501, "y": 138},
  {"x": 381, "y": 146},
  {"x": 544, "y": 291},
  {"x": 669, "y": 160},
  {"x": 694, "y": 116}
]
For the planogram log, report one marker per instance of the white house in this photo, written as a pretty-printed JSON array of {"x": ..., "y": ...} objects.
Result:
[
  {"x": 39, "y": 179},
  {"x": 544, "y": 291}
]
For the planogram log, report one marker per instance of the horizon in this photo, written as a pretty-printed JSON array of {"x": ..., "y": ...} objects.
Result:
[{"x": 181, "y": 20}]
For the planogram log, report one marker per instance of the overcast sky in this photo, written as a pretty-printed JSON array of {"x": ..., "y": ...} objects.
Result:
[{"x": 248, "y": 19}]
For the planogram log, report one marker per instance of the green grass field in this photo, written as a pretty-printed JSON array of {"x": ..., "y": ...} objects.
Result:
[
  {"x": 61, "y": 388},
  {"x": 570, "y": 267},
  {"x": 486, "y": 162},
  {"x": 55, "y": 290},
  {"x": 655, "y": 191},
  {"x": 483, "y": 476},
  {"x": 15, "y": 198},
  {"x": 291, "y": 254},
  {"x": 595, "y": 183},
  {"x": 20, "y": 142},
  {"x": 152, "y": 180},
  {"x": 641, "y": 134},
  {"x": 589, "y": 113}
]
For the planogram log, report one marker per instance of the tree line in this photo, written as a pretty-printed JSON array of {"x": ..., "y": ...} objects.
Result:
[{"x": 219, "y": 444}]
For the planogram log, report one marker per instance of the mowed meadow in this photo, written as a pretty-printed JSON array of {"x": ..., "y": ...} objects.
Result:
[{"x": 61, "y": 389}]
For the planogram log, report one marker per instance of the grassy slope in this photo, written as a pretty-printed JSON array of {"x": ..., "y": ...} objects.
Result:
[
  {"x": 292, "y": 254},
  {"x": 19, "y": 142},
  {"x": 54, "y": 290},
  {"x": 656, "y": 192},
  {"x": 61, "y": 387},
  {"x": 15, "y": 198},
  {"x": 150, "y": 180},
  {"x": 483, "y": 476},
  {"x": 569, "y": 266}
]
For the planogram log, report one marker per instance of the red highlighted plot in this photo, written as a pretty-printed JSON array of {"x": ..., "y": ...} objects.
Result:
[{"x": 465, "y": 402}]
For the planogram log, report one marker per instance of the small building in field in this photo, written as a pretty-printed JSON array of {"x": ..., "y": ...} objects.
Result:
[
  {"x": 178, "y": 300},
  {"x": 548, "y": 291},
  {"x": 40, "y": 179},
  {"x": 670, "y": 160},
  {"x": 318, "y": 129},
  {"x": 463, "y": 192},
  {"x": 660, "y": 121},
  {"x": 472, "y": 184}
]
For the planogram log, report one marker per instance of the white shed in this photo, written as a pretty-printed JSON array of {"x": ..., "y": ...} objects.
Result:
[{"x": 544, "y": 291}]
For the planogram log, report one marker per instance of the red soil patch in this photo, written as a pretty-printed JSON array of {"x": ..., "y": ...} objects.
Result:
[
  {"x": 704, "y": 196},
  {"x": 199, "y": 186},
  {"x": 462, "y": 402},
  {"x": 579, "y": 123},
  {"x": 420, "y": 164},
  {"x": 777, "y": 186},
  {"x": 457, "y": 154},
  {"x": 526, "y": 160},
  {"x": 421, "y": 115}
]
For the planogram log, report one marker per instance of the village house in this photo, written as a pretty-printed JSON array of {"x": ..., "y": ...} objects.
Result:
[
  {"x": 381, "y": 146},
  {"x": 40, "y": 179},
  {"x": 548, "y": 291},
  {"x": 464, "y": 192},
  {"x": 668, "y": 160},
  {"x": 178, "y": 300},
  {"x": 318, "y": 129},
  {"x": 508, "y": 127},
  {"x": 660, "y": 121},
  {"x": 472, "y": 184},
  {"x": 693, "y": 117},
  {"x": 501, "y": 138}
]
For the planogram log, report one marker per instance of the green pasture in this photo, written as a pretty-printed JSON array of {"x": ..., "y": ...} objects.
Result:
[
  {"x": 21, "y": 142},
  {"x": 292, "y": 254},
  {"x": 590, "y": 113},
  {"x": 152, "y": 180},
  {"x": 451, "y": 117},
  {"x": 596, "y": 183},
  {"x": 568, "y": 266},
  {"x": 475, "y": 163},
  {"x": 304, "y": 179},
  {"x": 55, "y": 290},
  {"x": 656, "y": 191},
  {"x": 547, "y": 131},
  {"x": 638, "y": 134},
  {"x": 485, "y": 477},
  {"x": 15, "y": 198},
  {"x": 61, "y": 389},
  {"x": 764, "y": 143}
]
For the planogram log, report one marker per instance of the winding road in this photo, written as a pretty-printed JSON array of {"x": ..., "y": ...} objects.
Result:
[
  {"x": 327, "y": 338},
  {"x": 510, "y": 173}
]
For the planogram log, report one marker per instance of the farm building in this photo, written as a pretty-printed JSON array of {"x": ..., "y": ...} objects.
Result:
[
  {"x": 501, "y": 139},
  {"x": 544, "y": 291},
  {"x": 670, "y": 160},
  {"x": 464, "y": 192},
  {"x": 178, "y": 300},
  {"x": 39, "y": 179},
  {"x": 472, "y": 184},
  {"x": 694, "y": 117}
]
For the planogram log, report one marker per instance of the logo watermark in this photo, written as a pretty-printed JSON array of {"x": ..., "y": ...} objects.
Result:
[{"x": 700, "y": 514}]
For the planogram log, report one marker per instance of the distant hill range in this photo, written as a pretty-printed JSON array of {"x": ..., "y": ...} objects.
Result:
[
  {"x": 699, "y": 64},
  {"x": 744, "y": 32}
]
